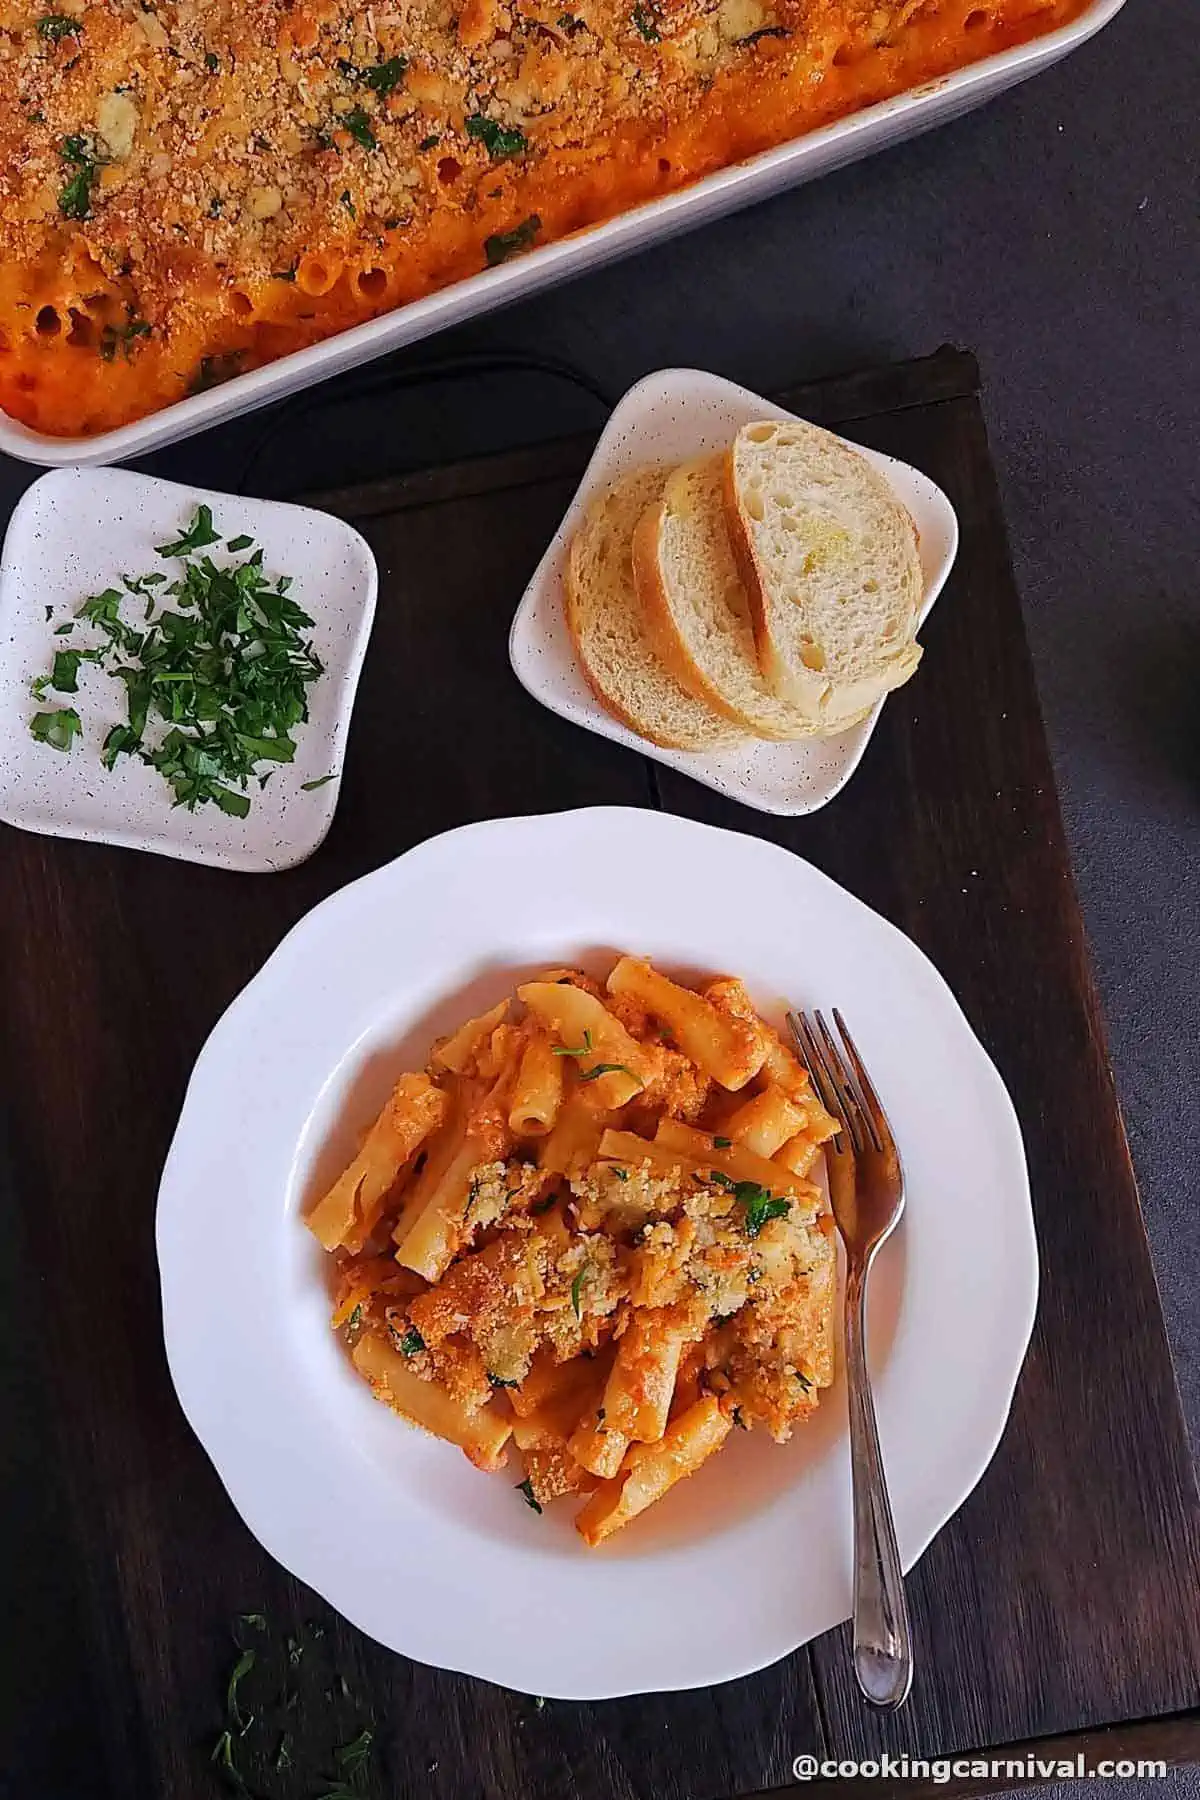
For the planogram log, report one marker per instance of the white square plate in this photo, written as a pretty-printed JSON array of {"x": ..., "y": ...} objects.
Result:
[
  {"x": 75, "y": 533},
  {"x": 668, "y": 417}
]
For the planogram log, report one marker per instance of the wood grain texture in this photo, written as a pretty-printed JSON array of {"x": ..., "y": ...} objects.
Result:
[
  {"x": 1062, "y": 1595},
  {"x": 1174, "y": 1741},
  {"x": 1044, "y": 1590}
]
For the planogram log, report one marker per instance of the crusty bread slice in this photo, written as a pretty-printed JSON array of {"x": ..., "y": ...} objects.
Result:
[
  {"x": 829, "y": 559},
  {"x": 696, "y": 605},
  {"x": 605, "y": 621}
]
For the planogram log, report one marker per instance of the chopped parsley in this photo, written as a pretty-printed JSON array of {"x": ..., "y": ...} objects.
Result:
[
  {"x": 308, "y": 787},
  {"x": 598, "y": 1069},
  {"x": 122, "y": 337},
  {"x": 411, "y": 1342},
  {"x": 288, "y": 274},
  {"x": 429, "y": 143},
  {"x": 222, "y": 1756},
  {"x": 385, "y": 77},
  {"x": 498, "y": 140},
  {"x": 255, "y": 1621},
  {"x": 805, "y": 1383},
  {"x": 345, "y": 200},
  {"x": 241, "y": 1668},
  {"x": 760, "y": 1206},
  {"x": 355, "y": 1319},
  {"x": 500, "y": 1381},
  {"x": 212, "y": 61},
  {"x": 198, "y": 536},
  {"x": 583, "y": 1050},
  {"x": 75, "y": 199},
  {"x": 351, "y": 1757},
  {"x": 64, "y": 674},
  {"x": 722, "y": 1143},
  {"x": 58, "y": 729},
  {"x": 526, "y": 1488},
  {"x": 358, "y": 125},
  {"x": 766, "y": 31},
  {"x": 54, "y": 27},
  {"x": 645, "y": 24},
  {"x": 213, "y": 370},
  {"x": 102, "y": 609},
  {"x": 577, "y": 1289},
  {"x": 621, "y": 1174},
  {"x": 225, "y": 670}
]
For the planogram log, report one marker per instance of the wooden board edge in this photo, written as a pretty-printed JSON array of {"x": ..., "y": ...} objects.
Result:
[{"x": 947, "y": 374}]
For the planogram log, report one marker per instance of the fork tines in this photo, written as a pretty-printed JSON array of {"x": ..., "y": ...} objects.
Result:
[{"x": 841, "y": 1080}]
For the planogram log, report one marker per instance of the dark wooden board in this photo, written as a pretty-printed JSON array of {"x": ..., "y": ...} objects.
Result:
[{"x": 1061, "y": 1597}]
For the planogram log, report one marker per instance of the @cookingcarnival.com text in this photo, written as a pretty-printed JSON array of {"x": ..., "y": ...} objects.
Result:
[{"x": 962, "y": 1768}]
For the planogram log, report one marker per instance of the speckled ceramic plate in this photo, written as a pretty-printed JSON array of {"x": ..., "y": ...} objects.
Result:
[
  {"x": 75, "y": 533},
  {"x": 666, "y": 418}
]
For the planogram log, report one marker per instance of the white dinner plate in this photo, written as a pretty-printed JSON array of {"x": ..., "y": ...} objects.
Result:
[
  {"x": 78, "y": 531},
  {"x": 668, "y": 417},
  {"x": 751, "y": 1557}
]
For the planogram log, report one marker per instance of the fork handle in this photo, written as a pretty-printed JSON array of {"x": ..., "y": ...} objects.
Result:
[{"x": 882, "y": 1637}]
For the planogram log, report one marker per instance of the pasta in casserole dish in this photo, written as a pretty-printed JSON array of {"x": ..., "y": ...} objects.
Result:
[
  {"x": 587, "y": 1231},
  {"x": 190, "y": 189}
]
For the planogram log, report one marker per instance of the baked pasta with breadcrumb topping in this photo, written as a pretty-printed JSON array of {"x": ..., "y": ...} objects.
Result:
[
  {"x": 191, "y": 188},
  {"x": 587, "y": 1232}
]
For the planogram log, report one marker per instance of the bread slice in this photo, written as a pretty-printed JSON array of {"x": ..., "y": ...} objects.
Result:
[
  {"x": 609, "y": 633},
  {"x": 829, "y": 559},
  {"x": 697, "y": 609}
]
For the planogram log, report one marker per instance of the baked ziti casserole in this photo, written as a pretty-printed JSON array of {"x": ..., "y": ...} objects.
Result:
[
  {"x": 587, "y": 1232},
  {"x": 190, "y": 188}
]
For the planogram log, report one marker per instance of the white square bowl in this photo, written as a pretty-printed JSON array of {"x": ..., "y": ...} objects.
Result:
[
  {"x": 668, "y": 417},
  {"x": 75, "y": 533}
]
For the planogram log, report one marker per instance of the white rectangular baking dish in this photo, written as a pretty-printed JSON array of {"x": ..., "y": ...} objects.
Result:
[{"x": 831, "y": 147}]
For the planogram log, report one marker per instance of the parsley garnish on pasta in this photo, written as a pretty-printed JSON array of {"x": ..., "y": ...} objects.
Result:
[
  {"x": 760, "y": 1206},
  {"x": 599, "y": 1069},
  {"x": 75, "y": 199},
  {"x": 503, "y": 244},
  {"x": 498, "y": 140},
  {"x": 54, "y": 27}
]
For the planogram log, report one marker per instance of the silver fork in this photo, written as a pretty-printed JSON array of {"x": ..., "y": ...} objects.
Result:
[{"x": 866, "y": 1185}]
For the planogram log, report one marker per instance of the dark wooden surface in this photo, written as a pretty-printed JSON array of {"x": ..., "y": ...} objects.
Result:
[
  {"x": 1062, "y": 1596},
  {"x": 1144, "y": 1746}
]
